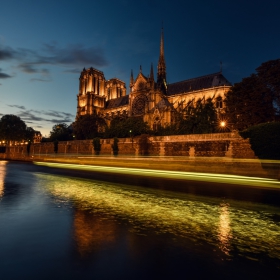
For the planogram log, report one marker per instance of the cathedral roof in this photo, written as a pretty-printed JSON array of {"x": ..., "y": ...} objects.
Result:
[
  {"x": 117, "y": 102},
  {"x": 204, "y": 82}
]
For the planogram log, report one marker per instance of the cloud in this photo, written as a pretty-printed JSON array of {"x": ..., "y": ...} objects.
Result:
[
  {"x": 39, "y": 80},
  {"x": 27, "y": 68},
  {"x": 4, "y": 75},
  {"x": 58, "y": 114},
  {"x": 7, "y": 53},
  {"x": 17, "y": 106},
  {"x": 31, "y": 116},
  {"x": 28, "y": 116},
  {"x": 74, "y": 71},
  {"x": 74, "y": 56}
]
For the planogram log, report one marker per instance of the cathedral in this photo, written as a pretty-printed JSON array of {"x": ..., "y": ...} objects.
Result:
[{"x": 154, "y": 100}]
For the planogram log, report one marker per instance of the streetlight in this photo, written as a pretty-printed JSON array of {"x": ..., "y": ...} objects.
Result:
[
  {"x": 223, "y": 124},
  {"x": 130, "y": 131}
]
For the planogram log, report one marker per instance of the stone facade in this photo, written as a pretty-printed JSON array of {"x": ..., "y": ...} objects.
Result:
[{"x": 156, "y": 101}]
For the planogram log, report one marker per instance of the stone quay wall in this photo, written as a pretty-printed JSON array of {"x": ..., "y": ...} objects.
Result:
[{"x": 229, "y": 145}]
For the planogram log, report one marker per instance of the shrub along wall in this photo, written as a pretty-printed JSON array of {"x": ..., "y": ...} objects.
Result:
[
  {"x": 264, "y": 139},
  {"x": 198, "y": 145}
]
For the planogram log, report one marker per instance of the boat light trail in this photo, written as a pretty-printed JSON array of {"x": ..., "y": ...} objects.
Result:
[{"x": 181, "y": 175}]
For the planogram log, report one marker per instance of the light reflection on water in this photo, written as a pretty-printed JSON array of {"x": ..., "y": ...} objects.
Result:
[
  {"x": 3, "y": 166},
  {"x": 249, "y": 231},
  {"x": 224, "y": 230}
]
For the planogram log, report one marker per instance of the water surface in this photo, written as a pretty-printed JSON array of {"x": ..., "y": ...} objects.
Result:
[{"x": 54, "y": 226}]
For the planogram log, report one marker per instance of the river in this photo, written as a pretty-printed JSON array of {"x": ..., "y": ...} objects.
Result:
[{"x": 57, "y": 226}]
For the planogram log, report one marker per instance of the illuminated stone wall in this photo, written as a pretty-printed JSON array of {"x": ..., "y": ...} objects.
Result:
[{"x": 196, "y": 145}]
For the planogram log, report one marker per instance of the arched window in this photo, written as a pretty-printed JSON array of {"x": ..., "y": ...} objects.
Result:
[
  {"x": 219, "y": 102},
  {"x": 109, "y": 93}
]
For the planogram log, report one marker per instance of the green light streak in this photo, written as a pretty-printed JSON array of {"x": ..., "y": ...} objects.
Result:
[{"x": 205, "y": 177}]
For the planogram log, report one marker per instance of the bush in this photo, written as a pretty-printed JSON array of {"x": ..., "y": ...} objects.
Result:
[
  {"x": 115, "y": 146},
  {"x": 96, "y": 145},
  {"x": 28, "y": 147},
  {"x": 55, "y": 146},
  {"x": 264, "y": 139}
]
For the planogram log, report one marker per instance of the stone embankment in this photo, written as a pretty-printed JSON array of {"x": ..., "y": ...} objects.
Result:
[{"x": 222, "y": 153}]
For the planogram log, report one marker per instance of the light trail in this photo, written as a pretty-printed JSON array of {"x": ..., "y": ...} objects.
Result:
[{"x": 195, "y": 176}]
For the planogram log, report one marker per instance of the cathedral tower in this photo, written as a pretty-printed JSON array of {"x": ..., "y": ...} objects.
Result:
[{"x": 161, "y": 68}]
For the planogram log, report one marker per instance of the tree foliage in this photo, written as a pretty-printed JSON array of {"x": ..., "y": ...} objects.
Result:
[
  {"x": 55, "y": 146},
  {"x": 264, "y": 139},
  {"x": 12, "y": 128},
  {"x": 61, "y": 132},
  {"x": 29, "y": 134},
  {"x": 115, "y": 146},
  {"x": 256, "y": 98},
  {"x": 269, "y": 75},
  {"x": 96, "y": 145},
  {"x": 200, "y": 118},
  {"x": 126, "y": 127},
  {"x": 89, "y": 127}
]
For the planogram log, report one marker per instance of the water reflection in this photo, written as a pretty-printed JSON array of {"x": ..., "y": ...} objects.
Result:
[
  {"x": 248, "y": 228},
  {"x": 91, "y": 232},
  {"x": 3, "y": 167},
  {"x": 224, "y": 233}
]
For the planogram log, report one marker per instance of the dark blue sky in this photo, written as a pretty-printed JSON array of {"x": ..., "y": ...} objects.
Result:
[{"x": 45, "y": 44}]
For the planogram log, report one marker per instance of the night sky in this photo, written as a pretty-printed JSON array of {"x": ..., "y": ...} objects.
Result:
[{"x": 44, "y": 45}]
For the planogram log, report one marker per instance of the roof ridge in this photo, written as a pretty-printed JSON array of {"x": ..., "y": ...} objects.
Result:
[{"x": 217, "y": 73}]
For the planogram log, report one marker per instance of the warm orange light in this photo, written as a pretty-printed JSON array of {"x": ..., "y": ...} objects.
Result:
[{"x": 223, "y": 123}]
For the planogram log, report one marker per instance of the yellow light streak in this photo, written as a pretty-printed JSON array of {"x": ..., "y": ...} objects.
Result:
[{"x": 181, "y": 175}]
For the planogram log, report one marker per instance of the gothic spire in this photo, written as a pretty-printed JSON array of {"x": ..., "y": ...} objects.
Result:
[
  {"x": 161, "y": 68},
  {"x": 131, "y": 79},
  {"x": 152, "y": 73}
]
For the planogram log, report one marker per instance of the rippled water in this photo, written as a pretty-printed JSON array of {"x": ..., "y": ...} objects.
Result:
[{"x": 55, "y": 226}]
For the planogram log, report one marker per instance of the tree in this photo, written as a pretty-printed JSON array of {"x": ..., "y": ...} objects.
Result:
[
  {"x": 171, "y": 129},
  {"x": 256, "y": 99},
  {"x": 29, "y": 134},
  {"x": 206, "y": 117},
  {"x": 61, "y": 132},
  {"x": 55, "y": 146},
  {"x": 115, "y": 146},
  {"x": 88, "y": 127},
  {"x": 28, "y": 148},
  {"x": 264, "y": 139},
  {"x": 127, "y": 127},
  {"x": 96, "y": 145},
  {"x": 269, "y": 75},
  {"x": 12, "y": 128},
  {"x": 200, "y": 118}
]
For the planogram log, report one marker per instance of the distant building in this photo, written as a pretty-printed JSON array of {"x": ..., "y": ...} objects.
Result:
[
  {"x": 37, "y": 137},
  {"x": 155, "y": 101}
]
